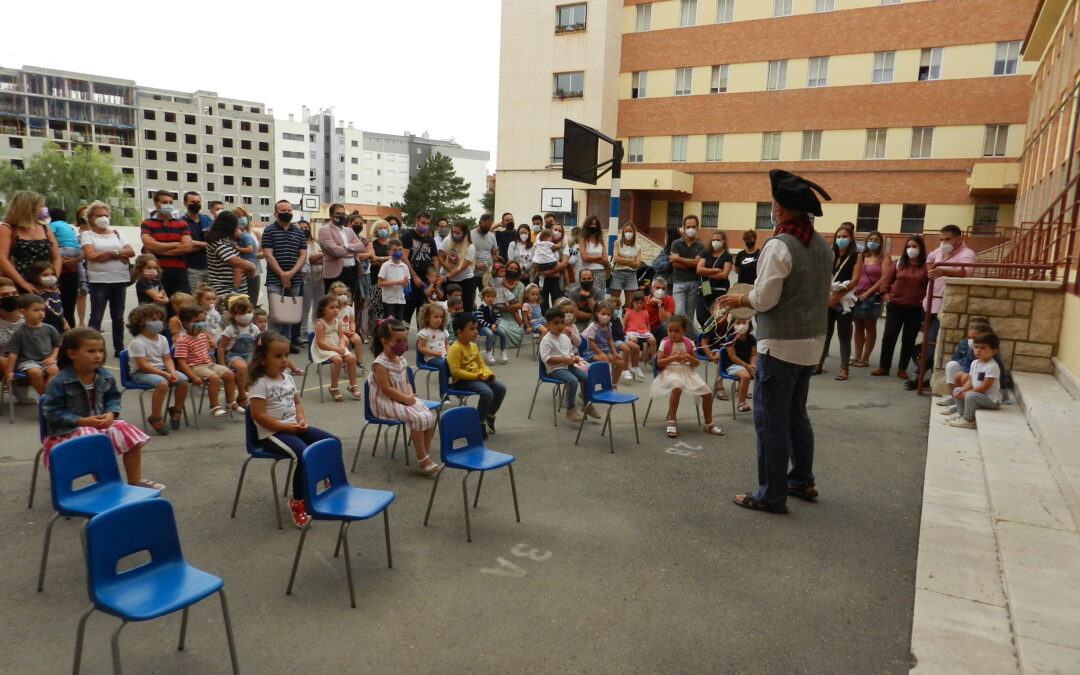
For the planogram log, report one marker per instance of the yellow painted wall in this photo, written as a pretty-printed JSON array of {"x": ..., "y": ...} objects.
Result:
[
  {"x": 665, "y": 13},
  {"x": 939, "y": 215},
  {"x": 743, "y": 77},
  {"x": 695, "y": 148},
  {"x": 657, "y": 214},
  {"x": 1069, "y": 342},
  {"x": 846, "y": 70},
  {"x": 660, "y": 83},
  {"x": 701, "y": 81}
]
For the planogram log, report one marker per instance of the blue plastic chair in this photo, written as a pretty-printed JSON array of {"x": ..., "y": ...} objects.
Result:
[
  {"x": 77, "y": 458},
  {"x": 165, "y": 584},
  {"x": 535, "y": 342},
  {"x": 19, "y": 379},
  {"x": 41, "y": 451},
  {"x": 723, "y": 374},
  {"x": 310, "y": 363},
  {"x": 463, "y": 423},
  {"x": 324, "y": 465},
  {"x": 127, "y": 383},
  {"x": 255, "y": 451},
  {"x": 422, "y": 364},
  {"x": 703, "y": 354},
  {"x": 556, "y": 393},
  {"x": 648, "y": 408},
  {"x": 369, "y": 419},
  {"x": 446, "y": 390},
  {"x": 598, "y": 390}
]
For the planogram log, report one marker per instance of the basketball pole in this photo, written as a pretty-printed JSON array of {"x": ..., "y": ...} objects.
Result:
[{"x": 616, "y": 179}]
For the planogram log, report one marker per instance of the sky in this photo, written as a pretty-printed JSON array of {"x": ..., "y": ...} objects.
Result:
[{"x": 388, "y": 66}]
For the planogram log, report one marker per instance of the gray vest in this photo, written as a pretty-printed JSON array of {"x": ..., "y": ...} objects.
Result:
[{"x": 804, "y": 300}]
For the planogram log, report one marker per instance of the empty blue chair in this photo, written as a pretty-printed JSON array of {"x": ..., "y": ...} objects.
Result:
[
  {"x": 165, "y": 584},
  {"x": 325, "y": 467},
  {"x": 422, "y": 364},
  {"x": 37, "y": 457},
  {"x": 648, "y": 408},
  {"x": 310, "y": 363},
  {"x": 127, "y": 383},
  {"x": 556, "y": 393},
  {"x": 19, "y": 379},
  {"x": 535, "y": 342},
  {"x": 369, "y": 419},
  {"x": 463, "y": 423},
  {"x": 446, "y": 390},
  {"x": 703, "y": 354},
  {"x": 77, "y": 458},
  {"x": 255, "y": 451},
  {"x": 598, "y": 390}
]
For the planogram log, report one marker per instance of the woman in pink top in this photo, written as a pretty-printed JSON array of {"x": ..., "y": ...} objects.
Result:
[{"x": 868, "y": 303}]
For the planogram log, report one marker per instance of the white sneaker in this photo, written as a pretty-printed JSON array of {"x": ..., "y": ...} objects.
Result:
[
  {"x": 636, "y": 370},
  {"x": 945, "y": 401},
  {"x": 961, "y": 423},
  {"x": 503, "y": 357},
  {"x": 627, "y": 377},
  {"x": 948, "y": 412},
  {"x": 490, "y": 358}
]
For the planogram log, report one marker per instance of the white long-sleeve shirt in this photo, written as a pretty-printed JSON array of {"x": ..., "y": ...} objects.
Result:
[{"x": 774, "y": 266}]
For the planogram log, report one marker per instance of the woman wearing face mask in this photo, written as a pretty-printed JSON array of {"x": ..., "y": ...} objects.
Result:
[
  {"x": 746, "y": 259},
  {"x": 249, "y": 246},
  {"x": 508, "y": 294},
  {"x": 521, "y": 250},
  {"x": 868, "y": 305},
  {"x": 903, "y": 291},
  {"x": 108, "y": 255},
  {"x": 713, "y": 270},
  {"x": 551, "y": 287},
  {"x": 456, "y": 255},
  {"x": 380, "y": 253},
  {"x": 25, "y": 239},
  {"x": 593, "y": 252},
  {"x": 847, "y": 269},
  {"x": 627, "y": 261}
]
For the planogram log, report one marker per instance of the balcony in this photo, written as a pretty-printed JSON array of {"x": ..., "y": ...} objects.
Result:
[{"x": 994, "y": 179}]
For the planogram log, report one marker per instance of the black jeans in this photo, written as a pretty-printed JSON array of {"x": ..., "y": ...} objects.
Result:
[
  {"x": 69, "y": 292},
  {"x": 347, "y": 277},
  {"x": 843, "y": 326},
  {"x": 783, "y": 428},
  {"x": 900, "y": 322},
  {"x": 114, "y": 296},
  {"x": 174, "y": 280},
  {"x": 550, "y": 292},
  {"x": 468, "y": 293}
]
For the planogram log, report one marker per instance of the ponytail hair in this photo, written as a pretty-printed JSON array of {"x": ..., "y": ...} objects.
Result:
[
  {"x": 257, "y": 364},
  {"x": 384, "y": 330},
  {"x": 72, "y": 340}
]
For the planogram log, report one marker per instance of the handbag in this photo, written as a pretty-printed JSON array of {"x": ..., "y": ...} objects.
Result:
[{"x": 285, "y": 309}]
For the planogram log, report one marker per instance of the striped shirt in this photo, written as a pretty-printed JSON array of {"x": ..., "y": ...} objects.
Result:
[
  {"x": 285, "y": 245},
  {"x": 218, "y": 255},
  {"x": 167, "y": 233},
  {"x": 196, "y": 349}
]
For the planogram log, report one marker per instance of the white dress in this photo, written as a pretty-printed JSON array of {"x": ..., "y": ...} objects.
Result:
[{"x": 677, "y": 375}]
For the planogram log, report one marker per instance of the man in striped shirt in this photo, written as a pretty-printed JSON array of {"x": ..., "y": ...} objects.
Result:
[
  {"x": 285, "y": 249},
  {"x": 169, "y": 239}
]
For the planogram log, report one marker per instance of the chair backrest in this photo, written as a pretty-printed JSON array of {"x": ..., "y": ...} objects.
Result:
[
  {"x": 444, "y": 378},
  {"x": 43, "y": 427},
  {"x": 144, "y": 525},
  {"x": 421, "y": 360},
  {"x": 458, "y": 423},
  {"x": 251, "y": 432},
  {"x": 78, "y": 457},
  {"x": 322, "y": 460},
  {"x": 310, "y": 341},
  {"x": 125, "y": 373},
  {"x": 655, "y": 369},
  {"x": 599, "y": 379},
  {"x": 368, "y": 415}
]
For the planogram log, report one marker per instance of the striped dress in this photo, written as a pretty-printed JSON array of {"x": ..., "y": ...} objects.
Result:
[{"x": 415, "y": 416}]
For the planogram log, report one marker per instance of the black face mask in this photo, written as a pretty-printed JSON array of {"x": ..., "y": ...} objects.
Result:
[
  {"x": 10, "y": 303},
  {"x": 358, "y": 229},
  {"x": 512, "y": 274},
  {"x": 284, "y": 218},
  {"x": 586, "y": 285},
  {"x": 339, "y": 220},
  {"x": 511, "y": 226},
  {"x": 194, "y": 209}
]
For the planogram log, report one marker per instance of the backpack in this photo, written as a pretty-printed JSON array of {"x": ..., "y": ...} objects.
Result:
[{"x": 660, "y": 263}]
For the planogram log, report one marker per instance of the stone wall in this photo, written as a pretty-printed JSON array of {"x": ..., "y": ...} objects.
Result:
[{"x": 1025, "y": 315}]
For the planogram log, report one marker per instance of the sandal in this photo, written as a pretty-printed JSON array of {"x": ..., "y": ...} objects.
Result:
[
  {"x": 859, "y": 364},
  {"x": 806, "y": 492},
  {"x": 158, "y": 425},
  {"x": 743, "y": 407},
  {"x": 336, "y": 395},
  {"x": 427, "y": 465},
  {"x": 819, "y": 370},
  {"x": 672, "y": 429},
  {"x": 296, "y": 371},
  {"x": 842, "y": 375},
  {"x": 713, "y": 429},
  {"x": 174, "y": 417},
  {"x": 235, "y": 407},
  {"x": 152, "y": 484},
  {"x": 219, "y": 411},
  {"x": 748, "y": 502},
  {"x": 355, "y": 391}
]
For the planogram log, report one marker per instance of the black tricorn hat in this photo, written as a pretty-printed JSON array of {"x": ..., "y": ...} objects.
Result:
[{"x": 796, "y": 193}]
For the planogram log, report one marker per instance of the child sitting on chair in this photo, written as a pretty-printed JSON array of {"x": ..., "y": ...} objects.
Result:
[{"x": 676, "y": 362}]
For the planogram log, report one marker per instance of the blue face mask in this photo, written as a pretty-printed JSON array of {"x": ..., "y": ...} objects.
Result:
[
  {"x": 382, "y": 234},
  {"x": 154, "y": 326},
  {"x": 396, "y": 255},
  {"x": 873, "y": 245},
  {"x": 394, "y": 228},
  {"x": 842, "y": 242},
  {"x": 535, "y": 228},
  {"x": 197, "y": 326}
]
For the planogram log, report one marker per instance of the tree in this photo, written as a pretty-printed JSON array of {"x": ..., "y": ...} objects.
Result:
[
  {"x": 487, "y": 202},
  {"x": 437, "y": 189},
  {"x": 71, "y": 180}
]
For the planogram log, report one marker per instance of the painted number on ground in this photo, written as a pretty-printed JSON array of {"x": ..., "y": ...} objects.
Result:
[
  {"x": 507, "y": 568},
  {"x": 683, "y": 449}
]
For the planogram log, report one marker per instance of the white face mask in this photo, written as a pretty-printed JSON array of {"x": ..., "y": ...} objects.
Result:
[
  {"x": 741, "y": 328},
  {"x": 772, "y": 218},
  {"x": 691, "y": 232},
  {"x": 971, "y": 343},
  {"x": 717, "y": 245},
  {"x": 603, "y": 319},
  {"x": 245, "y": 319},
  {"x": 947, "y": 248},
  {"x": 48, "y": 280},
  {"x": 628, "y": 236},
  {"x": 101, "y": 222},
  {"x": 343, "y": 299},
  {"x": 569, "y": 318},
  {"x": 556, "y": 235},
  {"x": 913, "y": 252},
  {"x": 658, "y": 293},
  {"x": 524, "y": 236}
]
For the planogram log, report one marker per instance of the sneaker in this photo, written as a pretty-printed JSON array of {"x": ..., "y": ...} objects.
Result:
[
  {"x": 954, "y": 416},
  {"x": 503, "y": 357},
  {"x": 627, "y": 376},
  {"x": 300, "y": 517},
  {"x": 573, "y": 415},
  {"x": 490, "y": 358},
  {"x": 592, "y": 412},
  {"x": 961, "y": 423},
  {"x": 636, "y": 370},
  {"x": 948, "y": 412},
  {"x": 945, "y": 401}
]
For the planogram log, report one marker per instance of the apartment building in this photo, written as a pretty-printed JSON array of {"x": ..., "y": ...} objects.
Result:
[{"x": 910, "y": 114}]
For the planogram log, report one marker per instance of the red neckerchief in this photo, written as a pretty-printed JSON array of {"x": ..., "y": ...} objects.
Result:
[{"x": 801, "y": 228}]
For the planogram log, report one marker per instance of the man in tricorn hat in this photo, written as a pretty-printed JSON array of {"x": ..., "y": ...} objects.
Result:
[{"x": 791, "y": 297}]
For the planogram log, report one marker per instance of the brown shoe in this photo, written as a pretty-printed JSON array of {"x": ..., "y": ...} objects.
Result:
[
  {"x": 902, "y": 374},
  {"x": 879, "y": 372}
]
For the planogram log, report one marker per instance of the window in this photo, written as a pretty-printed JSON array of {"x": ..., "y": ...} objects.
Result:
[
  {"x": 172, "y": 176},
  {"x": 210, "y": 187},
  {"x": 264, "y": 164},
  {"x": 710, "y": 214},
  {"x": 226, "y": 124},
  {"x": 289, "y": 154},
  {"x": 170, "y": 137},
  {"x": 866, "y": 219},
  {"x": 150, "y": 135},
  {"x": 643, "y": 18},
  {"x": 811, "y": 145},
  {"x": 781, "y": 8},
  {"x": 718, "y": 81},
  {"x": 556, "y": 151},
  {"x": 674, "y": 214},
  {"x": 209, "y": 168},
  {"x": 355, "y": 160},
  {"x": 264, "y": 201},
  {"x": 189, "y": 119},
  {"x": 127, "y": 152},
  {"x": 824, "y": 5},
  {"x": 246, "y": 163},
  {"x": 996, "y": 139},
  {"x": 1006, "y": 58},
  {"x": 568, "y": 85},
  {"x": 286, "y": 136},
  {"x": 638, "y": 82},
  {"x": 151, "y": 154},
  {"x": 714, "y": 148},
  {"x": 678, "y": 148},
  {"x": 148, "y": 115},
  {"x": 228, "y": 180},
  {"x": 191, "y": 158},
  {"x": 725, "y": 11},
  {"x": 151, "y": 174},
  {"x": 190, "y": 139},
  {"x": 170, "y": 117},
  {"x": 15, "y": 142},
  {"x": 264, "y": 128},
  {"x": 770, "y": 146},
  {"x": 912, "y": 218},
  {"x": 245, "y": 145},
  {"x": 890, "y": 2},
  {"x": 209, "y": 149},
  {"x": 930, "y": 64},
  {"x": 226, "y": 142},
  {"x": 293, "y": 172},
  {"x": 883, "y": 67},
  {"x": 763, "y": 216},
  {"x": 570, "y": 18},
  {"x": 683, "y": 78},
  {"x": 984, "y": 222},
  {"x": 637, "y": 150},
  {"x": 245, "y": 126},
  {"x": 354, "y": 176},
  {"x": 127, "y": 171},
  {"x": 227, "y": 161},
  {"x": 777, "y": 75},
  {"x": 818, "y": 72},
  {"x": 170, "y": 157},
  {"x": 875, "y": 143},
  {"x": 922, "y": 142},
  {"x": 264, "y": 182},
  {"x": 209, "y": 128},
  {"x": 687, "y": 13}
]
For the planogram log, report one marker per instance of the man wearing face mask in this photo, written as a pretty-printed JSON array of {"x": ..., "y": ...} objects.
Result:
[
  {"x": 506, "y": 233},
  {"x": 537, "y": 223},
  {"x": 442, "y": 231},
  {"x": 791, "y": 297},
  {"x": 486, "y": 248},
  {"x": 549, "y": 220},
  {"x": 198, "y": 223},
  {"x": 585, "y": 295},
  {"x": 215, "y": 207},
  {"x": 339, "y": 246},
  {"x": 951, "y": 249},
  {"x": 169, "y": 238},
  {"x": 746, "y": 259},
  {"x": 660, "y": 306},
  {"x": 684, "y": 256},
  {"x": 418, "y": 251},
  {"x": 285, "y": 250}
]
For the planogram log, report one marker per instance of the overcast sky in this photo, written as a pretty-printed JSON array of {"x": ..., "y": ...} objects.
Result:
[{"x": 387, "y": 65}]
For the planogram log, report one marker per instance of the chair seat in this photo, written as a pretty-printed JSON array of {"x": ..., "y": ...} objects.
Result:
[
  {"x": 612, "y": 397},
  {"x": 424, "y": 366},
  {"x": 161, "y": 590},
  {"x": 550, "y": 380},
  {"x": 476, "y": 458},
  {"x": 345, "y": 502},
  {"x": 94, "y": 499},
  {"x": 460, "y": 392},
  {"x": 431, "y": 405}
]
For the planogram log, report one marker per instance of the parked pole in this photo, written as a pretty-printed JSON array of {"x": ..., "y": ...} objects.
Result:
[{"x": 616, "y": 179}]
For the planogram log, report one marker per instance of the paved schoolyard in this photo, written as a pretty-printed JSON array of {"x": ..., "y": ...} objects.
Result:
[{"x": 632, "y": 562}]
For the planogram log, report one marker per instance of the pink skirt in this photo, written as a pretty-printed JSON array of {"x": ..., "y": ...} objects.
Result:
[{"x": 124, "y": 437}]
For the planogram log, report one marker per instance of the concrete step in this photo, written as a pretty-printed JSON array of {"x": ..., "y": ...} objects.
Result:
[{"x": 1054, "y": 417}]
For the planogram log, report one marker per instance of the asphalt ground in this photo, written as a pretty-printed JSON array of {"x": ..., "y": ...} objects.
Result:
[{"x": 632, "y": 562}]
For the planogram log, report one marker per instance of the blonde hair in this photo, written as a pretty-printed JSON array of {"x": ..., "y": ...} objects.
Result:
[
  {"x": 241, "y": 212},
  {"x": 22, "y": 209},
  {"x": 562, "y": 302},
  {"x": 179, "y": 299},
  {"x": 338, "y": 286},
  {"x": 140, "y": 264},
  {"x": 427, "y": 310},
  {"x": 381, "y": 223},
  {"x": 93, "y": 206}
]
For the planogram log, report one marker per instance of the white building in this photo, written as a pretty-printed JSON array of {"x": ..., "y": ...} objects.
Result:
[{"x": 292, "y": 165}]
